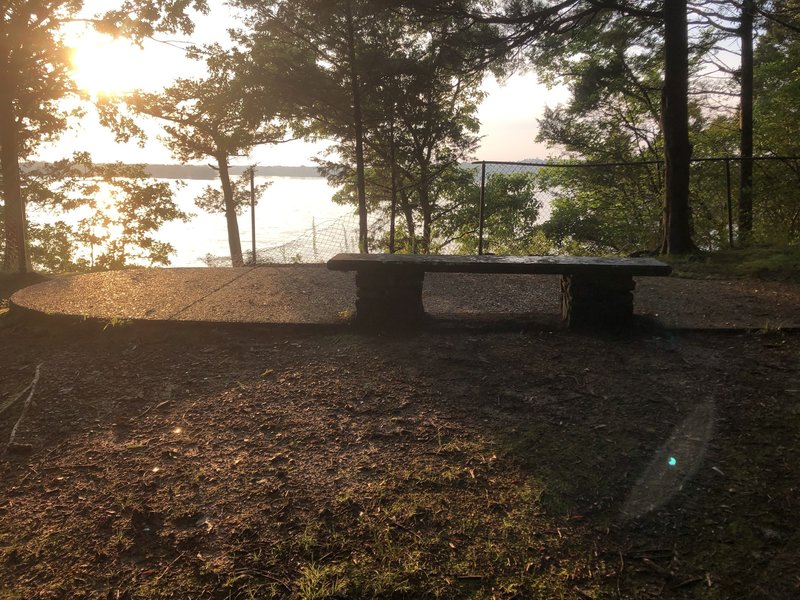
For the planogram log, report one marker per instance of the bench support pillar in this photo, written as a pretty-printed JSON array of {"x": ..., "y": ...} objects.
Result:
[
  {"x": 597, "y": 301},
  {"x": 389, "y": 297}
]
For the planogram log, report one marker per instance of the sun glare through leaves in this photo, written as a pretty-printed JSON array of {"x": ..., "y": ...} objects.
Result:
[{"x": 103, "y": 66}]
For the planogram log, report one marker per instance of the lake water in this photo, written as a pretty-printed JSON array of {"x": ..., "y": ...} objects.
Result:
[
  {"x": 287, "y": 211},
  {"x": 296, "y": 220}
]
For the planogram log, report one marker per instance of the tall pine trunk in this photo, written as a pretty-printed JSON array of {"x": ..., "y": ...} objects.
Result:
[
  {"x": 393, "y": 170},
  {"x": 408, "y": 213},
  {"x": 234, "y": 241},
  {"x": 16, "y": 255},
  {"x": 746, "y": 124},
  {"x": 358, "y": 130},
  {"x": 426, "y": 209},
  {"x": 676, "y": 220},
  {"x": 427, "y": 222}
]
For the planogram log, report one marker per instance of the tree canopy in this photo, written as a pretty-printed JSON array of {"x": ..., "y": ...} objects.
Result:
[
  {"x": 212, "y": 118},
  {"x": 35, "y": 78},
  {"x": 396, "y": 86}
]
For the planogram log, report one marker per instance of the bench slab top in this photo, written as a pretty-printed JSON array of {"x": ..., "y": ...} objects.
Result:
[{"x": 560, "y": 265}]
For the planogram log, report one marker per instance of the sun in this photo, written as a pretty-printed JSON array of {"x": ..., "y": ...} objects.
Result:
[{"x": 104, "y": 66}]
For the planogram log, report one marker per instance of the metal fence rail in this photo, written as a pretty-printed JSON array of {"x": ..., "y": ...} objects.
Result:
[
  {"x": 714, "y": 194},
  {"x": 624, "y": 199}
]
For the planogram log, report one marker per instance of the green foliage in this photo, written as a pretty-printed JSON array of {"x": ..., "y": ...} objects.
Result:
[
  {"x": 403, "y": 88},
  {"x": 613, "y": 70},
  {"x": 776, "y": 194},
  {"x": 116, "y": 208},
  {"x": 130, "y": 210},
  {"x": 512, "y": 208},
  {"x": 212, "y": 118},
  {"x": 35, "y": 80},
  {"x": 777, "y": 92},
  {"x": 776, "y": 200},
  {"x": 611, "y": 56},
  {"x": 776, "y": 204},
  {"x": 138, "y": 19},
  {"x": 603, "y": 210},
  {"x": 753, "y": 262},
  {"x": 212, "y": 199},
  {"x": 54, "y": 248},
  {"x": 35, "y": 71}
]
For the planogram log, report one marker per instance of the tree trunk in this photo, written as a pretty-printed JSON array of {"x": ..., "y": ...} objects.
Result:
[
  {"x": 234, "y": 241},
  {"x": 358, "y": 129},
  {"x": 16, "y": 255},
  {"x": 408, "y": 212},
  {"x": 746, "y": 124},
  {"x": 393, "y": 168},
  {"x": 423, "y": 192},
  {"x": 675, "y": 114},
  {"x": 426, "y": 228}
]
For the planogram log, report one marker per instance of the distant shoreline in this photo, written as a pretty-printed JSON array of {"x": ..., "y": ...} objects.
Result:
[{"x": 205, "y": 172}]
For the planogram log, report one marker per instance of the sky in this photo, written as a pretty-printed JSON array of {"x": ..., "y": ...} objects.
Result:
[{"x": 508, "y": 114}]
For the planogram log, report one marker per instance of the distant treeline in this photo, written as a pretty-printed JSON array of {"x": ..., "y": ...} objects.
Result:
[{"x": 206, "y": 172}]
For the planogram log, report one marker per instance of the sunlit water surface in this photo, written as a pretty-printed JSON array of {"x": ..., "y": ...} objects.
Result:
[{"x": 286, "y": 211}]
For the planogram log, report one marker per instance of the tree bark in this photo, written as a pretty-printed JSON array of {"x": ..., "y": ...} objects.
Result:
[
  {"x": 16, "y": 255},
  {"x": 676, "y": 219},
  {"x": 426, "y": 229},
  {"x": 746, "y": 124},
  {"x": 234, "y": 241},
  {"x": 408, "y": 212},
  {"x": 358, "y": 130},
  {"x": 427, "y": 210},
  {"x": 393, "y": 168}
]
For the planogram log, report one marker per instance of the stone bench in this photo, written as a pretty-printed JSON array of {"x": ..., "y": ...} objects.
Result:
[{"x": 595, "y": 292}]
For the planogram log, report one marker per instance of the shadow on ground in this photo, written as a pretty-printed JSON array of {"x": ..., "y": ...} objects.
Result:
[{"x": 218, "y": 462}]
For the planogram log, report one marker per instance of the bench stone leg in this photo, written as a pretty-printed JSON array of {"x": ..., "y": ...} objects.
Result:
[
  {"x": 391, "y": 298},
  {"x": 597, "y": 301}
]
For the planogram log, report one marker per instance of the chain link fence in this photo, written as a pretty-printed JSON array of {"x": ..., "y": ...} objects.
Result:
[
  {"x": 315, "y": 245},
  {"x": 617, "y": 207},
  {"x": 572, "y": 208},
  {"x": 319, "y": 243}
]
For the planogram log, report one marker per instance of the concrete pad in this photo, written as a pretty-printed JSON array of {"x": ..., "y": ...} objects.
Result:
[
  {"x": 312, "y": 294},
  {"x": 129, "y": 294},
  {"x": 298, "y": 294}
]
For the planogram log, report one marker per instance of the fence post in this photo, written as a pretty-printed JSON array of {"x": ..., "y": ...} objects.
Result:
[
  {"x": 730, "y": 202},
  {"x": 482, "y": 208},
  {"x": 253, "y": 211}
]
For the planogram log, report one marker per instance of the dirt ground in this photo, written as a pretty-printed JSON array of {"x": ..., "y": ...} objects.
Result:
[{"x": 194, "y": 461}]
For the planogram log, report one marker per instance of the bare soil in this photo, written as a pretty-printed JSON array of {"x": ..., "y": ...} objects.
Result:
[{"x": 195, "y": 461}]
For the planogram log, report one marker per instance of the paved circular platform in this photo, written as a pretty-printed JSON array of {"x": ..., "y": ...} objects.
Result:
[{"x": 313, "y": 295}]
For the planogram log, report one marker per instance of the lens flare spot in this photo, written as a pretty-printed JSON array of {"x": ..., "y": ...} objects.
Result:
[{"x": 672, "y": 462}]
